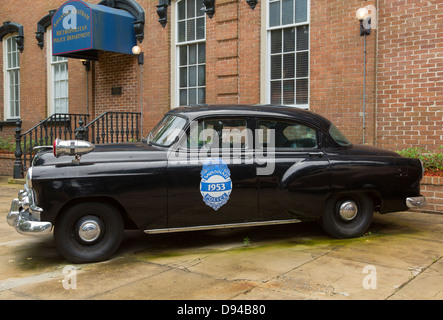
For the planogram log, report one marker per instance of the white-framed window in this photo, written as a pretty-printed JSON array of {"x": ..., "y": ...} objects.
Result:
[
  {"x": 190, "y": 52},
  {"x": 11, "y": 71},
  {"x": 58, "y": 80},
  {"x": 288, "y": 52}
]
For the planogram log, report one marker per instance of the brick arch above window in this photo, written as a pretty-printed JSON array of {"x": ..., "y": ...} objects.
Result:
[{"x": 9, "y": 27}]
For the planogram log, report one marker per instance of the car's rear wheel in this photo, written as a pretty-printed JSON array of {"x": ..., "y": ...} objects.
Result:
[
  {"x": 89, "y": 232},
  {"x": 347, "y": 215}
]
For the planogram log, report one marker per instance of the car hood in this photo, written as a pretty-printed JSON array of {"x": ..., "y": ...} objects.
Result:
[{"x": 106, "y": 153}]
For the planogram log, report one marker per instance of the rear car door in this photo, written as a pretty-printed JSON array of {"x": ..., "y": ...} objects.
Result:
[{"x": 300, "y": 181}]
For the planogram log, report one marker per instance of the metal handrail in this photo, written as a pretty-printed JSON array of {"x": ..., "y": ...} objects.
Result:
[
  {"x": 58, "y": 125},
  {"x": 109, "y": 127},
  {"x": 114, "y": 126}
]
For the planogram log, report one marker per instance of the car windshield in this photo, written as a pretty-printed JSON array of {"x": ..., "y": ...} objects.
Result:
[
  {"x": 338, "y": 136},
  {"x": 166, "y": 131}
]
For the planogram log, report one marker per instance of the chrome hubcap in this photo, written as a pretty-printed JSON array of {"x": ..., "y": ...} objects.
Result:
[
  {"x": 348, "y": 210},
  {"x": 89, "y": 231}
]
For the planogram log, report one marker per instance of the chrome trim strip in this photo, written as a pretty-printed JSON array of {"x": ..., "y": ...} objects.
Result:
[{"x": 222, "y": 226}]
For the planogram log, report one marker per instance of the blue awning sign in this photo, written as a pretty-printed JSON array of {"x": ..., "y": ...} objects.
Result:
[{"x": 80, "y": 30}]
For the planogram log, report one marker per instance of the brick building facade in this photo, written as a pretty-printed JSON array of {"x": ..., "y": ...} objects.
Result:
[{"x": 306, "y": 53}]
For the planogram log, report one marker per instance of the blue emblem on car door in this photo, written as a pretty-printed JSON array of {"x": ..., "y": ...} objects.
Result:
[{"x": 216, "y": 184}]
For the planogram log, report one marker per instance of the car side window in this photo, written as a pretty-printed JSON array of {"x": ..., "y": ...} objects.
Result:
[
  {"x": 217, "y": 133},
  {"x": 286, "y": 134}
]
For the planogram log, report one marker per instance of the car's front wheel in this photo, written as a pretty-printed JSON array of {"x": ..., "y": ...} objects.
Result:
[
  {"x": 89, "y": 232},
  {"x": 347, "y": 215}
]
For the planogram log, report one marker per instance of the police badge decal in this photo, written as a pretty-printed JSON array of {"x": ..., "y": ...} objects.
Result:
[{"x": 216, "y": 184}]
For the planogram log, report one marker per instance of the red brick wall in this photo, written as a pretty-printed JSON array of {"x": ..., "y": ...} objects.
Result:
[
  {"x": 432, "y": 189},
  {"x": 410, "y": 74},
  {"x": 409, "y": 78},
  {"x": 6, "y": 164},
  {"x": 336, "y": 67}
]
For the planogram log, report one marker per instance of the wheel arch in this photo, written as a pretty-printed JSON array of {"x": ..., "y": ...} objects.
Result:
[
  {"x": 128, "y": 222},
  {"x": 373, "y": 194}
]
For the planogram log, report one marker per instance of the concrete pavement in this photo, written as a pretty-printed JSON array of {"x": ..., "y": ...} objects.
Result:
[{"x": 400, "y": 258}]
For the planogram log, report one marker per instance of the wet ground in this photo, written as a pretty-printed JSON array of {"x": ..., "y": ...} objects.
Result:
[{"x": 399, "y": 258}]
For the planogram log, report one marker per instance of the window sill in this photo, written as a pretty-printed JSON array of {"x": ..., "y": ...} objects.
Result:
[{"x": 8, "y": 123}]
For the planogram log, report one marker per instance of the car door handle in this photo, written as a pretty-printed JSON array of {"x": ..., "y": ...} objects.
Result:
[{"x": 316, "y": 154}]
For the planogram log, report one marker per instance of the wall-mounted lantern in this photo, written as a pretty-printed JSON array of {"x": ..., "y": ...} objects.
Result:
[
  {"x": 138, "y": 52},
  {"x": 365, "y": 21}
]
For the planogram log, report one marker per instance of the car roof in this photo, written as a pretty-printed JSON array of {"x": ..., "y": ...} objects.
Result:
[{"x": 275, "y": 111}]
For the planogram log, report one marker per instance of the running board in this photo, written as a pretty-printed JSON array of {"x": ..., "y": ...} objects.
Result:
[{"x": 222, "y": 226}]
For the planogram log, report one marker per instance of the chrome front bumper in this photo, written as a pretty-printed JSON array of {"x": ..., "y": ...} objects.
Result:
[
  {"x": 416, "y": 202},
  {"x": 24, "y": 215}
]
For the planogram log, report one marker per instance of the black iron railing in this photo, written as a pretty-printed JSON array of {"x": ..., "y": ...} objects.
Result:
[
  {"x": 110, "y": 127},
  {"x": 58, "y": 125},
  {"x": 114, "y": 127}
]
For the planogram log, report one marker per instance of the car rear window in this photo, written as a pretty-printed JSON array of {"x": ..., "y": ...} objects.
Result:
[{"x": 338, "y": 136}]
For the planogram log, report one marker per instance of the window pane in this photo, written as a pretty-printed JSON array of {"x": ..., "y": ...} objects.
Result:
[
  {"x": 11, "y": 84},
  {"x": 16, "y": 109},
  {"x": 276, "y": 92},
  {"x": 201, "y": 76},
  {"x": 193, "y": 54},
  {"x": 201, "y": 96},
  {"x": 181, "y": 10},
  {"x": 182, "y": 31},
  {"x": 192, "y": 76},
  {"x": 276, "y": 41},
  {"x": 289, "y": 39},
  {"x": 190, "y": 35},
  {"x": 200, "y": 9},
  {"x": 288, "y": 92},
  {"x": 183, "y": 77},
  {"x": 201, "y": 53},
  {"x": 274, "y": 14},
  {"x": 13, "y": 44},
  {"x": 190, "y": 8},
  {"x": 183, "y": 97},
  {"x": 276, "y": 67},
  {"x": 302, "y": 91},
  {"x": 192, "y": 96},
  {"x": 287, "y": 11},
  {"x": 183, "y": 55},
  {"x": 302, "y": 64},
  {"x": 301, "y": 11},
  {"x": 289, "y": 65},
  {"x": 200, "y": 28},
  {"x": 302, "y": 38},
  {"x": 9, "y": 63}
]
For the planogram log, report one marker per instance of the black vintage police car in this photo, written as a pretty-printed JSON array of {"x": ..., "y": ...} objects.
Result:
[{"x": 211, "y": 167}]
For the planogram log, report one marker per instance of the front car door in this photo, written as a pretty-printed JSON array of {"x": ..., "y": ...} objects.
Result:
[
  {"x": 211, "y": 175},
  {"x": 300, "y": 181}
]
